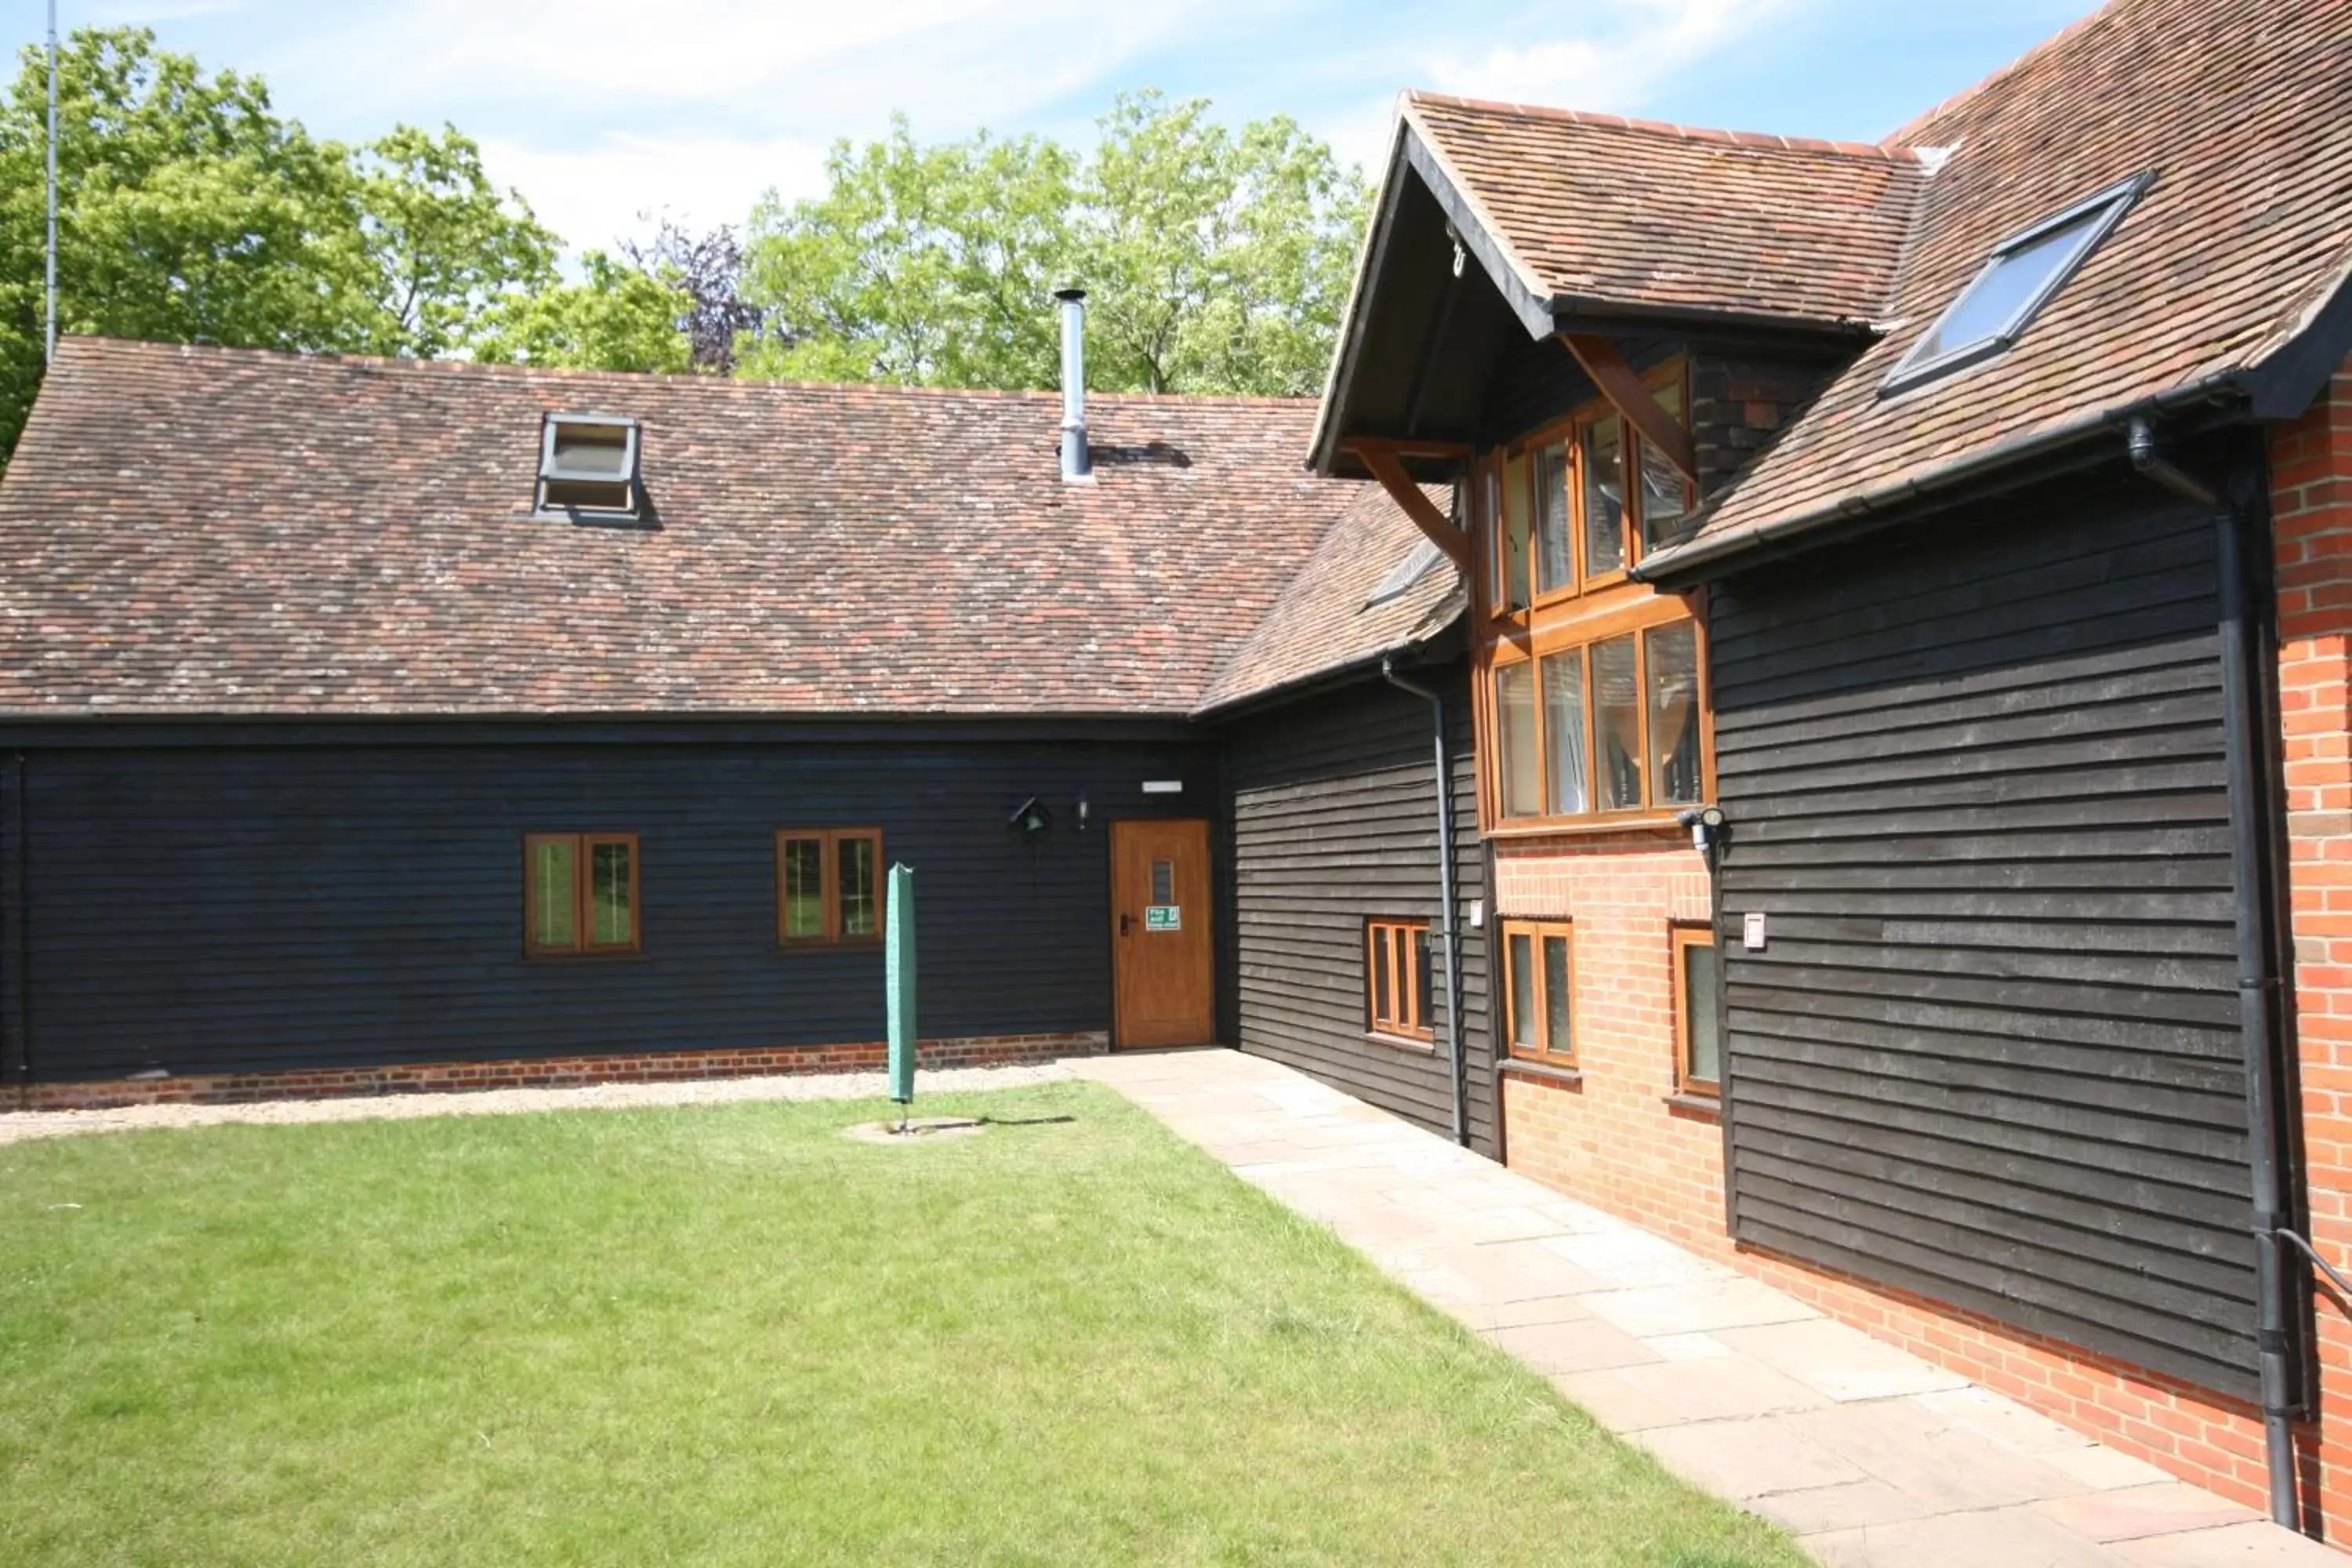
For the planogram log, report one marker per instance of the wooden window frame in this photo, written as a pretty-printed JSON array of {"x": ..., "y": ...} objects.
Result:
[
  {"x": 1535, "y": 931},
  {"x": 583, "y": 847},
  {"x": 1402, "y": 1019},
  {"x": 1494, "y": 471},
  {"x": 1686, "y": 937},
  {"x": 1640, "y": 620},
  {"x": 830, "y": 840}
]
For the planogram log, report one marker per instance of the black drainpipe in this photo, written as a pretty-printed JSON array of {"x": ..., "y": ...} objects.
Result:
[
  {"x": 1449, "y": 932},
  {"x": 2242, "y": 670}
]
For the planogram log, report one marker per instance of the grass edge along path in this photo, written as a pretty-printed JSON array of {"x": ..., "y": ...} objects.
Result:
[{"x": 726, "y": 1334}]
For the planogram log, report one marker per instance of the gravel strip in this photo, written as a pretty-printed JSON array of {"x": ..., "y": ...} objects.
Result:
[{"x": 16, "y": 1125}]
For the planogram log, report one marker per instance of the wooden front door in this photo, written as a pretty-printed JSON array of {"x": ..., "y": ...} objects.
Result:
[{"x": 1162, "y": 962}]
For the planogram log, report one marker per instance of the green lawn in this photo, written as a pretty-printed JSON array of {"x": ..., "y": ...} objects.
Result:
[{"x": 725, "y": 1335}]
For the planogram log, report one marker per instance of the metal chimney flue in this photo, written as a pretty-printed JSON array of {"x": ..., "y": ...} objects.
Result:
[{"x": 1075, "y": 463}]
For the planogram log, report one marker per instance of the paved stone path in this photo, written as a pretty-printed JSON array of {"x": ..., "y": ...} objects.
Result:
[{"x": 1872, "y": 1456}]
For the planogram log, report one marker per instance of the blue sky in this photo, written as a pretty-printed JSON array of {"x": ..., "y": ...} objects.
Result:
[{"x": 602, "y": 110}]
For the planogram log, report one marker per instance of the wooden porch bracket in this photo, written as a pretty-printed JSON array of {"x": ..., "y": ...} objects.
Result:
[
  {"x": 1621, "y": 384},
  {"x": 1387, "y": 464}
]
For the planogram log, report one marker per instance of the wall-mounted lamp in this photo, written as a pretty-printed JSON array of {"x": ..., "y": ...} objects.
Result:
[
  {"x": 1706, "y": 824},
  {"x": 1082, "y": 814},
  {"x": 1030, "y": 818}
]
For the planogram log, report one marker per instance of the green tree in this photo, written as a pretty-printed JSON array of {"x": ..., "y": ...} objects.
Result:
[
  {"x": 618, "y": 317},
  {"x": 191, "y": 211},
  {"x": 445, "y": 246},
  {"x": 1214, "y": 260},
  {"x": 920, "y": 264}
]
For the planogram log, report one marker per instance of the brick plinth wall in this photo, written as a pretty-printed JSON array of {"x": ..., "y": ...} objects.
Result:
[
  {"x": 542, "y": 1072},
  {"x": 2311, "y": 508},
  {"x": 1612, "y": 1139}
]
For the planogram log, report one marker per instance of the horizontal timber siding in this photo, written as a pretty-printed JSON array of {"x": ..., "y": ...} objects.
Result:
[
  {"x": 240, "y": 909},
  {"x": 1989, "y": 1053},
  {"x": 1334, "y": 820}
]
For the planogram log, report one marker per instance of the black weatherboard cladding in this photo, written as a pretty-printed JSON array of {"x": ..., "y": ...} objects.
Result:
[
  {"x": 218, "y": 908},
  {"x": 1990, "y": 1053},
  {"x": 1333, "y": 808}
]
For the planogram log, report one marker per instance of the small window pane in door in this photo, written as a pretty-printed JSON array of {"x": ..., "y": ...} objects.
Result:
[
  {"x": 1523, "y": 991},
  {"x": 1558, "y": 1039},
  {"x": 1554, "y": 569},
  {"x": 1515, "y": 533},
  {"x": 1568, "y": 780},
  {"x": 860, "y": 885},
  {"x": 1163, "y": 881},
  {"x": 1514, "y": 716},
  {"x": 1604, "y": 496},
  {"x": 1673, "y": 670},
  {"x": 554, "y": 895},
  {"x": 611, "y": 901},
  {"x": 1617, "y": 724}
]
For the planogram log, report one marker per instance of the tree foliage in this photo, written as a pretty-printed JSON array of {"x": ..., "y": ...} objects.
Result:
[
  {"x": 191, "y": 211},
  {"x": 1214, "y": 260},
  {"x": 618, "y": 317},
  {"x": 708, "y": 269}
]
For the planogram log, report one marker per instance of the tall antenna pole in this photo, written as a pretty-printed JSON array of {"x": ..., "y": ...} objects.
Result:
[{"x": 50, "y": 353}]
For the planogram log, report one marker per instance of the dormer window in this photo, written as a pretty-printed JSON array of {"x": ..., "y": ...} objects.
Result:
[
  {"x": 588, "y": 463},
  {"x": 2023, "y": 272}
]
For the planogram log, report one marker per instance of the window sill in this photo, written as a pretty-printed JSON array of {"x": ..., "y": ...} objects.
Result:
[
  {"x": 1401, "y": 1042},
  {"x": 1543, "y": 1072},
  {"x": 1579, "y": 827},
  {"x": 1696, "y": 1107},
  {"x": 863, "y": 944}
]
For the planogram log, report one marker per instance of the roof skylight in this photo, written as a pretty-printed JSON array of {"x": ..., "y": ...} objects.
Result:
[
  {"x": 2021, "y": 276},
  {"x": 588, "y": 462},
  {"x": 1409, "y": 569}
]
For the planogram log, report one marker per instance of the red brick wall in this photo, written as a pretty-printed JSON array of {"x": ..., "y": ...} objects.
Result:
[
  {"x": 2311, "y": 507},
  {"x": 1613, "y": 1139},
  {"x": 543, "y": 1072}
]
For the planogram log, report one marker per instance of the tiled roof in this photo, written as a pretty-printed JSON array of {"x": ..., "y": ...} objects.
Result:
[
  {"x": 203, "y": 530},
  {"x": 1325, "y": 620},
  {"x": 2240, "y": 110},
  {"x": 1630, "y": 212}
]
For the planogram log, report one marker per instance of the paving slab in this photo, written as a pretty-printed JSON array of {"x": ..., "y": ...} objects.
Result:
[{"x": 1873, "y": 1458}]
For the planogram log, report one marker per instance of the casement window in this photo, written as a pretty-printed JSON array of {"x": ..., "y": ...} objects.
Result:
[
  {"x": 588, "y": 464},
  {"x": 1571, "y": 506},
  {"x": 1540, "y": 990},
  {"x": 1396, "y": 978},
  {"x": 828, "y": 887},
  {"x": 1616, "y": 725},
  {"x": 1698, "y": 1021},
  {"x": 580, "y": 893}
]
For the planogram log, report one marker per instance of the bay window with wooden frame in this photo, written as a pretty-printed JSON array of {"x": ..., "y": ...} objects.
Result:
[
  {"x": 829, "y": 887},
  {"x": 1592, "y": 700},
  {"x": 1540, "y": 991},
  {"x": 580, "y": 895},
  {"x": 1396, "y": 979}
]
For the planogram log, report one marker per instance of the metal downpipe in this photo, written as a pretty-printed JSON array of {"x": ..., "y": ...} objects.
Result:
[
  {"x": 2258, "y": 983},
  {"x": 1448, "y": 927}
]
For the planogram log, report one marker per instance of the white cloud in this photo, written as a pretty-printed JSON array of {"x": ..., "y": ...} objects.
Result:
[
  {"x": 602, "y": 191},
  {"x": 1612, "y": 70},
  {"x": 600, "y": 109}
]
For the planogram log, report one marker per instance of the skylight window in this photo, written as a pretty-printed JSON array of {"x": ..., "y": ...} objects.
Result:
[
  {"x": 588, "y": 463},
  {"x": 2022, "y": 273},
  {"x": 1410, "y": 569}
]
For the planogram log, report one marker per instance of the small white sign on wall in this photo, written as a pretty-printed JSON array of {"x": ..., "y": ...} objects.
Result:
[
  {"x": 1753, "y": 934},
  {"x": 1163, "y": 787}
]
